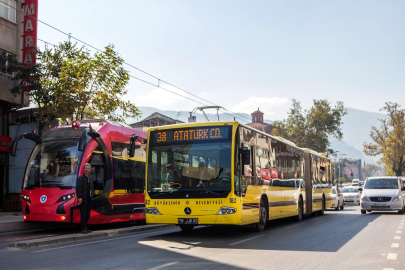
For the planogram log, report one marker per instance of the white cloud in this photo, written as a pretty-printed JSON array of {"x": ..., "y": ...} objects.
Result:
[
  {"x": 274, "y": 108},
  {"x": 163, "y": 99}
]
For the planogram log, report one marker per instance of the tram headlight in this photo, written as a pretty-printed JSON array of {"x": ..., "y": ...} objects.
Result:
[
  {"x": 226, "y": 211},
  {"x": 65, "y": 197},
  {"x": 152, "y": 211},
  {"x": 25, "y": 198}
]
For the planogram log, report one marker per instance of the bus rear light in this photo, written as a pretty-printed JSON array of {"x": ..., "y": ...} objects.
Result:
[
  {"x": 226, "y": 211},
  {"x": 61, "y": 218},
  {"x": 25, "y": 217},
  {"x": 76, "y": 124}
]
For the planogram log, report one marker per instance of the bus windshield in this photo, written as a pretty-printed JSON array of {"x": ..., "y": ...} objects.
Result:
[
  {"x": 54, "y": 162},
  {"x": 191, "y": 169}
]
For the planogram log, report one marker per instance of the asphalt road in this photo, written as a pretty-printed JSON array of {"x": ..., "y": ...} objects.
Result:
[{"x": 338, "y": 240}]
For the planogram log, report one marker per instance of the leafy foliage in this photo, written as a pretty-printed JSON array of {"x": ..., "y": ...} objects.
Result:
[
  {"x": 389, "y": 140},
  {"x": 312, "y": 128},
  {"x": 71, "y": 84}
]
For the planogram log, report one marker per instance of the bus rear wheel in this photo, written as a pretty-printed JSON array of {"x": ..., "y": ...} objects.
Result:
[
  {"x": 262, "y": 217},
  {"x": 187, "y": 228}
]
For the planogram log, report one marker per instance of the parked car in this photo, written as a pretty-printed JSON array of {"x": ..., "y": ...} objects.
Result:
[
  {"x": 338, "y": 201},
  {"x": 383, "y": 193},
  {"x": 351, "y": 194},
  {"x": 355, "y": 182}
]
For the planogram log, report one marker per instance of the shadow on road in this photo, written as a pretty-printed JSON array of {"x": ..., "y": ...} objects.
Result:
[{"x": 326, "y": 233}]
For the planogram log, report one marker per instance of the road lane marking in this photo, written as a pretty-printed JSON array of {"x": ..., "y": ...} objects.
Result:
[
  {"x": 162, "y": 266},
  {"x": 130, "y": 236},
  {"x": 395, "y": 245},
  {"x": 399, "y": 231},
  {"x": 388, "y": 269},
  {"x": 400, "y": 227},
  {"x": 248, "y": 239},
  {"x": 397, "y": 237},
  {"x": 391, "y": 256},
  {"x": 401, "y": 224}
]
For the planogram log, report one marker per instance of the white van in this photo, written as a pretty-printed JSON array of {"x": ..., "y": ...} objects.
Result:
[
  {"x": 355, "y": 182},
  {"x": 383, "y": 193}
]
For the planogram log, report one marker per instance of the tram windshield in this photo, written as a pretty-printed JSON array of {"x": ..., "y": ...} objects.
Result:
[
  {"x": 184, "y": 168},
  {"x": 55, "y": 161}
]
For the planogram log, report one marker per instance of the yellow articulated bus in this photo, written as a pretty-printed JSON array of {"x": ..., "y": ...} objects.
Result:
[{"x": 227, "y": 173}]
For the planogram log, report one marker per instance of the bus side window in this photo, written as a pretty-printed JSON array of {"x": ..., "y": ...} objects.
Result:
[
  {"x": 97, "y": 162},
  {"x": 136, "y": 182}
]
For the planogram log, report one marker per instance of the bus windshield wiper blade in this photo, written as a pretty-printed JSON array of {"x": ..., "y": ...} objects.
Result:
[{"x": 210, "y": 191}]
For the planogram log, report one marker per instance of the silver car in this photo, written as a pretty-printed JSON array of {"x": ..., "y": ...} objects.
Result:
[
  {"x": 384, "y": 193},
  {"x": 351, "y": 195}
]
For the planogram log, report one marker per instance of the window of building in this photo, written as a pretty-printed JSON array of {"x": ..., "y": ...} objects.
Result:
[
  {"x": 261, "y": 119},
  {"x": 8, "y": 10},
  {"x": 255, "y": 118},
  {"x": 3, "y": 61}
]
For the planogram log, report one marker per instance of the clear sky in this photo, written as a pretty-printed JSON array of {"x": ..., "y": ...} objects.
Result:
[{"x": 247, "y": 54}]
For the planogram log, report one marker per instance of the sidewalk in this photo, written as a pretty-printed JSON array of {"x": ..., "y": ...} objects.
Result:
[{"x": 40, "y": 242}]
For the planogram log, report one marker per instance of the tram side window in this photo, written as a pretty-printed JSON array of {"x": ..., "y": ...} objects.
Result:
[
  {"x": 136, "y": 182},
  {"x": 97, "y": 162},
  {"x": 120, "y": 166}
]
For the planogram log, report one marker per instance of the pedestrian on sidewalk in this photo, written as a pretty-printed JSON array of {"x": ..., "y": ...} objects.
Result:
[{"x": 85, "y": 191}]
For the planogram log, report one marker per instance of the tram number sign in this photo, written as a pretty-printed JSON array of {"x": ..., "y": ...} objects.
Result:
[{"x": 191, "y": 134}]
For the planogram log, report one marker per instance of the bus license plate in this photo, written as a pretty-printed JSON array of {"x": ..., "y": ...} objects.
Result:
[{"x": 188, "y": 221}]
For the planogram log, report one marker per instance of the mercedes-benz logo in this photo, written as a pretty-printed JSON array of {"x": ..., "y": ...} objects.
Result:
[
  {"x": 380, "y": 199},
  {"x": 187, "y": 210}
]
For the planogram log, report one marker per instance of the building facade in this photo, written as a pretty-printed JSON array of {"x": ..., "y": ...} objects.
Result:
[
  {"x": 258, "y": 122},
  {"x": 11, "y": 43}
]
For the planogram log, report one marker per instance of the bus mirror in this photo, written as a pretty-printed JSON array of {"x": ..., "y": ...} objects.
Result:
[
  {"x": 83, "y": 141},
  {"x": 30, "y": 136},
  {"x": 132, "y": 145},
  {"x": 246, "y": 156}
]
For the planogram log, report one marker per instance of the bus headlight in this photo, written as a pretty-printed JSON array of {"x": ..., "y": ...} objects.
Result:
[
  {"x": 25, "y": 198},
  {"x": 226, "y": 211},
  {"x": 66, "y": 197},
  {"x": 152, "y": 211}
]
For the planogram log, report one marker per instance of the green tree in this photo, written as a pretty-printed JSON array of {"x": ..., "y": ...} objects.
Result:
[
  {"x": 389, "y": 139},
  {"x": 312, "y": 128},
  {"x": 70, "y": 83}
]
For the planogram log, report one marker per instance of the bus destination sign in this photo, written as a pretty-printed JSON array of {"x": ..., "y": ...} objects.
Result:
[{"x": 191, "y": 134}]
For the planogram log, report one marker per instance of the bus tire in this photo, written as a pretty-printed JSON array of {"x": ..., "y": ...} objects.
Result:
[
  {"x": 300, "y": 210},
  {"x": 322, "y": 211},
  {"x": 262, "y": 217},
  {"x": 187, "y": 228}
]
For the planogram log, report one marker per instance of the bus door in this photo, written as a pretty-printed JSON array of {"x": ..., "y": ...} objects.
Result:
[
  {"x": 246, "y": 181},
  {"x": 136, "y": 177},
  {"x": 121, "y": 172}
]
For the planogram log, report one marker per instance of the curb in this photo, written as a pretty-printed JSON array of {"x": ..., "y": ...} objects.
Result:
[{"x": 40, "y": 242}]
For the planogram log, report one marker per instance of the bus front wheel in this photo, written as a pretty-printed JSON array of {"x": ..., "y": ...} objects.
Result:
[
  {"x": 262, "y": 217},
  {"x": 300, "y": 210},
  {"x": 186, "y": 228},
  {"x": 321, "y": 212}
]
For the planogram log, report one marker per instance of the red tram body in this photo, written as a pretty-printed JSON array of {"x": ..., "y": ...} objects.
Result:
[{"x": 116, "y": 153}]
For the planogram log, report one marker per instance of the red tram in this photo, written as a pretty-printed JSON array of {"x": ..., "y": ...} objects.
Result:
[{"x": 116, "y": 153}]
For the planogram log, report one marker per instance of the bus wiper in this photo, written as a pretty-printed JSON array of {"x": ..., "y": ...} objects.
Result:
[
  {"x": 161, "y": 193},
  {"x": 30, "y": 186},
  {"x": 210, "y": 191}
]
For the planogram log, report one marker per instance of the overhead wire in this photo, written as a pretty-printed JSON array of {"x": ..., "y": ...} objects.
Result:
[{"x": 241, "y": 117}]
